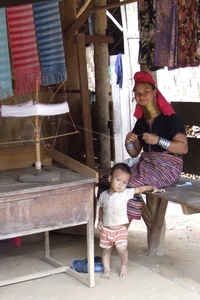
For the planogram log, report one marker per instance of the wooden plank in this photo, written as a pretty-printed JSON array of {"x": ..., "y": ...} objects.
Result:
[
  {"x": 72, "y": 164},
  {"x": 189, "y": 210},
  {"x": 20, "y": 157},
  {"x": 5, "y": 3},
  {"x": 186, "y": 195},
  {"x": 85, "y": 100},
  {"x": 33, "y": 276},
  {"x": 97, "y": 38},
  {"x": 181, "y": 196},
  {"x": 87, "y": 4},
  {"x": 78, "y": 276},
  {"x": 90, "y": 246}
]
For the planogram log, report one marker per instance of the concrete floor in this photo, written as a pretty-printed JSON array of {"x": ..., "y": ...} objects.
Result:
[{"x": 144, "y": 281}]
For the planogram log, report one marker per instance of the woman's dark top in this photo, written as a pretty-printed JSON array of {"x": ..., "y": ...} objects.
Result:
[{"x": 164, "y": 126}]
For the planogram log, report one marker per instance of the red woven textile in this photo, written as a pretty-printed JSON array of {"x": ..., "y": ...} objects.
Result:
[{"x": 24, "y": 52}]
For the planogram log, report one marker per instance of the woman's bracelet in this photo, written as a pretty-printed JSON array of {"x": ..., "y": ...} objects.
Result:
[
  {"x": 129, "y": 146},
  {"x": 163, "y": 143}
]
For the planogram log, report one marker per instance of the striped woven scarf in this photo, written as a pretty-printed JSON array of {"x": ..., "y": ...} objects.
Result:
[
  {"x": 5, "y": 72},
  {"x": 24, "y": 52},
  {"x": 50, "y": 43}
]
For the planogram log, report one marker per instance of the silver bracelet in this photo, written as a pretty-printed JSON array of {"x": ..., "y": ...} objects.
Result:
[
  {"x": 163, "y": 143},
  {"x": 129, "y": 146}
]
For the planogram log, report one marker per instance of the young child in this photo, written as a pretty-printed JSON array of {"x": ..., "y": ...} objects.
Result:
[{"x": 111, "y": 216}]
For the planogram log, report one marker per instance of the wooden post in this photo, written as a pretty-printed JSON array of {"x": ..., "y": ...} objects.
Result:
[
  {"x": 79, "y": 146},
  {"x": 71, "y": 146},
  {"x": 85, "y": 100},
  {"x": 101, "y": 107},
  {"x": 37, "y": 135},
  {"x": 156, "y": 232}
]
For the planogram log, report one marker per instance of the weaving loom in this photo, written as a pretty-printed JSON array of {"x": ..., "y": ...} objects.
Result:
[
  {"x": 35, "y": 109},
  {"x": 37, "y": 56}
]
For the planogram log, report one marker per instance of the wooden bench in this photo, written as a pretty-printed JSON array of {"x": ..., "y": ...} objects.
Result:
[{"x": 188, "y": 196}]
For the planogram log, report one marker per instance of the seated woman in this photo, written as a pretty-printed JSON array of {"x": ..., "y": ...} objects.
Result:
[
  {"x": 158, "y": 138},
  {"x": 159, "y": 133}
]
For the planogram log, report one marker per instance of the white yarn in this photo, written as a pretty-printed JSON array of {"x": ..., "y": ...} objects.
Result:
[{"x": 29, "y": 109}]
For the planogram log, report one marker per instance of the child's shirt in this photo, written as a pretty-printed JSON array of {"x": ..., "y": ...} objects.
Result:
[{"x": 115, "y": 207}]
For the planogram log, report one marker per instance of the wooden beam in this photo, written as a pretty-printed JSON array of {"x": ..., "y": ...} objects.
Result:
[
  {"x": 72, "y": 164},
  {"x": 85, "y": 100},
  {"x": 5, "y": 3},
  {"x": 87, "y": 10},
  {"x": 113, "y": 5},
  {"x": 81, "y": 17},
  {"x": 97, "y": 38},
  {"x": 86, "y": 5}
]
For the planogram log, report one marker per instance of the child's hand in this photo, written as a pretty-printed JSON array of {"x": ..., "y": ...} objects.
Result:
[
  {"x": 155, "y": 190},
  {"x": 100, "y": 225}
]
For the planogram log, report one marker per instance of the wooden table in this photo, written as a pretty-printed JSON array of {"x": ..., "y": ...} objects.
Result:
[{"x": 29, "y": 208}]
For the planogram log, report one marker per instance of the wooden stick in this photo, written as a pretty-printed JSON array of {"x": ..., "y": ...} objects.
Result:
[{"x": 37, "y": 136}]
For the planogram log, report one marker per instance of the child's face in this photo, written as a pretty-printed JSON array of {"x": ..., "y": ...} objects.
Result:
[{"x": 118, "y": 181}]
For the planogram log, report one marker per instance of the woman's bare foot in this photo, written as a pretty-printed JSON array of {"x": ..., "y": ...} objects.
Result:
[
  {"x": 105, "y": 274},
  {"x": 123, "y": 271}
]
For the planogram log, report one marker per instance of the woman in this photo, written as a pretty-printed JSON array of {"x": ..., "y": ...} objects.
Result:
[{"x": 159, "y": 133}]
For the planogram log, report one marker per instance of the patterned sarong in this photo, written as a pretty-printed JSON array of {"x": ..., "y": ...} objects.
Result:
[
  {"x": 5, "y": 72},
  {"x": 50, "y": 42},
  {"x": 134, "y": 208},
  {"x": 159, "y": 169},
  {"x": 24, "y": 52}
]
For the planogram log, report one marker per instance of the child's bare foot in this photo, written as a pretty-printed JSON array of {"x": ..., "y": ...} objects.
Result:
[
  {"x": 123, "y": 271},
  {"x": 105, "y": 274}
]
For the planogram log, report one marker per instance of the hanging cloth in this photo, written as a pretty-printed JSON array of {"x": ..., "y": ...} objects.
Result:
[
  {"x": 119, "y": 70},
  {"x": 24, "y": 52},
  {"x": 188, "y": 25},
  {"x": 147, "y": 19},
  {"x": 198, "y": 34},
  {"x": 5, "y": 71},
  {"x": 166, "y": 37},
  {"x": 50, "y": 42}
]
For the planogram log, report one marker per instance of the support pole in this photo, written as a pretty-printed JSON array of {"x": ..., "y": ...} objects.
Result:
[
  {"x": 102, "y": 83},
  {"x": 37, "y": 136}
]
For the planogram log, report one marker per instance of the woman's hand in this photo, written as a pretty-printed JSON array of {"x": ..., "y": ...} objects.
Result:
[
  {"x": 179, "y": 144},
  {"x": 150, "y": 138},
  {"x": 131, "y": 137},
  {"x": 132, "y": 144}
]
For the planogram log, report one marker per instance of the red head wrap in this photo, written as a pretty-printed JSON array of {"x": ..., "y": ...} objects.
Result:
[{"x": 161, "y": 102}]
